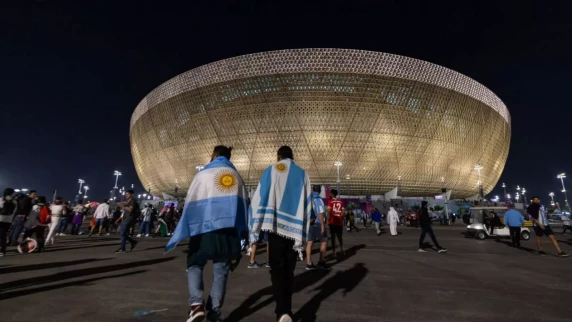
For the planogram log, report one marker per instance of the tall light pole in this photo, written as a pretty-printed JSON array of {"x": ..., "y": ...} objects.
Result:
[
  {"x": 561, "y": 177},
  {"x": 116, "y": 174},
  {"x": 552, "y": 196},
  {"x": 86, "y": 188},
  {"x": 81, "y": 182},
  {"x": 338, "y": 164},
  {"x": 479, "y": 167},
  {"x": 523, "y": 195},
  {"x": 504, "y": 187}
]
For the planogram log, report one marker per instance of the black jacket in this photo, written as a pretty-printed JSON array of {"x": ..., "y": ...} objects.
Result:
[
  {"x": 424, "y": 218},
  {"x": 25, "y": 206}
]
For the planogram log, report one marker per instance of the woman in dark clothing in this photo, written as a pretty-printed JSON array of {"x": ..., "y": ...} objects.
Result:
[{"x": 170, "y": 219}]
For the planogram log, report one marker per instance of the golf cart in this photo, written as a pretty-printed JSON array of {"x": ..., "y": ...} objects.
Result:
[{"x": 478, "y": 226}]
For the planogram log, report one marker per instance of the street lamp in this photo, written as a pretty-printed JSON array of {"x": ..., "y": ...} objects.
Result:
[
  {"x": 17, "y": 190},
  {"x": 338, "y": 164},
  {"x": 199, "y": 167},
  {"x": 24, "y": 190},
  {"x": 551, "y": 196},
  {"x": 504, "y": 187},
  {"x": 561, "y": 177},
  {"x": 523, "y": 195},
  {"x": 86, "y": 188},
  {"x": 81, "y": 182},
  {"x": 144, "y": 195},
  {"x": 116, "y": 174},
  {"x": 479, "y": 167}
]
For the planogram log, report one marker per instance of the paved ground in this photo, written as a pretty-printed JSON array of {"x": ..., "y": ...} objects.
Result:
[{"x": 384, "y": 279}]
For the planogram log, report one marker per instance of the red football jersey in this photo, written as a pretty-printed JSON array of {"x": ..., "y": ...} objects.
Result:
[{"x": 336, "y": 215}]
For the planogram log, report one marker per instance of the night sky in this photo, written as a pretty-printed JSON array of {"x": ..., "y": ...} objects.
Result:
[{"x": 71, "y": 73}]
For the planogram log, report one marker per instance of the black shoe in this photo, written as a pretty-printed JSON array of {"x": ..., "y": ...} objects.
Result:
[
  {"x": 133, "y": 244},
  {"x": 310, "y": 267},
  {"x": 542, "y": 253},
  {"x": 322, "y": 265}
]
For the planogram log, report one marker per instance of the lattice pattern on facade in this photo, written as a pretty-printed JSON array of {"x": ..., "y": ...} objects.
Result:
[{"x": 383, "y": 116}]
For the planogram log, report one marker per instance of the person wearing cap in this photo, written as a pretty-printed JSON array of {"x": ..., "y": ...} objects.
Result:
[{"x": 317, "y": 231}]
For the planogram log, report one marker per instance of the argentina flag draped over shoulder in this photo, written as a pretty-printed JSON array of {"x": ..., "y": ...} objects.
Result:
[
  {"x": 216, "y": 200},
  {"x": 281, "y": 203}
]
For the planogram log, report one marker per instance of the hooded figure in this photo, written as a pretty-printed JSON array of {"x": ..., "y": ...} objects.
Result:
[{"x": 392, "y": 220}]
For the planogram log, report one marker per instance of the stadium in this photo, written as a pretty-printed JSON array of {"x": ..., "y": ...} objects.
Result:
[{"x": 389, "y": 120}]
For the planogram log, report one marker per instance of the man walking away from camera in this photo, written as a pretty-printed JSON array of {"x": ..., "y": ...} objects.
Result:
[
  {"x": 214, "y": 218},
  {"x": 514, "y": 220},
  {"x": 281, "y": 206}
]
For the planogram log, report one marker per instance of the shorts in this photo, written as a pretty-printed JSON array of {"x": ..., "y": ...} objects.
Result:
[
  {"x": 546, "y": 232},
  {"x": 99, "y": 222},
  {"x": 315, "y": 234}
]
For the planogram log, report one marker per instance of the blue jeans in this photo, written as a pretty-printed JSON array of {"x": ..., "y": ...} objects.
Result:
[
  {"x": 63, "y": 225},
  {"x": 124, "y": 231},
  {"x": 17, "y": 228},
  {"x": 145, "y": 227},
  {"x": 218, "y": 289}
]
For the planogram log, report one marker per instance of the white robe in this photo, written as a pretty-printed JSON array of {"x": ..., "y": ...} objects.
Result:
[{"x": 392, "y": 219}]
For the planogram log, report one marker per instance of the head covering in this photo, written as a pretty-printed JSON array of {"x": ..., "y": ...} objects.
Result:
[{"x": 424, "y": 203}]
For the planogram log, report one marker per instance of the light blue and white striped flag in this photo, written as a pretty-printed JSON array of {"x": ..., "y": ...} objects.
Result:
[
  {"x": 281, "y": 204},
  {"x": 216, "y": 200}
]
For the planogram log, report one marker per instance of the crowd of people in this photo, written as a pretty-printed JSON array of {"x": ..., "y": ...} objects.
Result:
[
  {"x": 30, "y": 223},
  {"x": 221, "y": 220}
]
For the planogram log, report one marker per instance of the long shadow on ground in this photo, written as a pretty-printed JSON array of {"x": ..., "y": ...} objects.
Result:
[
  {"x": 301, "y": 281},
  {"x": 33, "y": 267},
  {"x": 509, "y": 244},
  {"x": 346, "y": 281},
  {"x": 9, "y": 295},
  {"x": 34, "y": 281}
]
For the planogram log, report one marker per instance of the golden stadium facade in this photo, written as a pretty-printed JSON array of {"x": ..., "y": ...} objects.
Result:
[{"x": 391, "y": 120}]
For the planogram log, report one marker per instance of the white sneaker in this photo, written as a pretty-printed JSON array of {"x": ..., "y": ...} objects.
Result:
[
  {"x": 146, "y": 235},
  {"x": 57, "y": 234},
  {"x": 62, "y": 234},
  {"x": 107, "y": 234},
  {"x": 139, "y": 235},
  {"x": 285, "y": 318},
  {"x": 421, "y": 250}
]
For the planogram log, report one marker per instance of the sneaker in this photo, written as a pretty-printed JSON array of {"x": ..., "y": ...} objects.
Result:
[
  {"x": 442, "y": 250},
  {"x": 284, "y": 318},
  {"x": 99, "y": 235},
  {"x": 253, "y": 265},
  {"x": 62, "y": 234},
  {"x": 542, "y": 253},
  {"x": 146, "y": 235},
  {"x": 133, "y": 244},
  {"x": 310, "y": 267},
  {"x": 2, "y": 254},
  {"x": 421, "y": 250},
  {"x": 57, "y": 234},
  {"x": 107, "y": 234},
  {"x": 139, "y": 235},
  {"x": 197, "y": 313},
  {"x": 563, "y": 254},
  {"x": 267, "y": 265},
  {"x": 120, "y": 251},
  {"x": 322, "y": 265}
]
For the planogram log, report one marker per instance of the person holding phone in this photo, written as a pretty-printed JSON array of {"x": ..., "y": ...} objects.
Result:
[{"x": 317, "y": 231}]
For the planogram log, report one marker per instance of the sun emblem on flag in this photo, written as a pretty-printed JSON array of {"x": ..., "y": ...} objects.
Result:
[
  {"x": 225, "y": 181},
  {"x": 280, "y": 167}
]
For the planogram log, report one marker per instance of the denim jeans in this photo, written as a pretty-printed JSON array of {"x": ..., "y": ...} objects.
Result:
[
  {"x": 63, "y": 225},
  {"x": 75, "y": 229},
  {"x": 145, "y": 227},
  {"x": 218, "y": 289},
  {"x": 17, "y": 228},
  {"x": 124, "y": 231}
]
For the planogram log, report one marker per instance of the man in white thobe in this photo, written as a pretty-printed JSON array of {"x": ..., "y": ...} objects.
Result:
[{"x": 392, "y": 219}]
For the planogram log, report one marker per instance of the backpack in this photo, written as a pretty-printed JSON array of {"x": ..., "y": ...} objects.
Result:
[{"x": 45, "y": 217}]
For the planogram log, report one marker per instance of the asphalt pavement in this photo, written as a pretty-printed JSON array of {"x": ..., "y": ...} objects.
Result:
[{"x": 383, "y": 278}]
